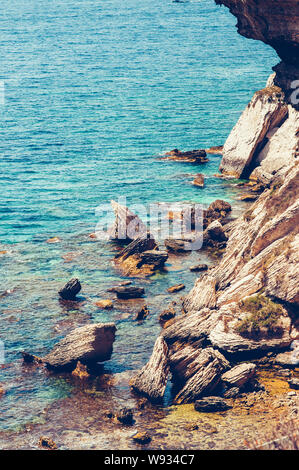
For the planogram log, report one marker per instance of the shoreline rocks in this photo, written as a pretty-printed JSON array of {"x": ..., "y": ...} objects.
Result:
[
  {"x": 70, "y": 290},
  {"x": 87, "y": 344},
  {"x": 193, "y": 156}
]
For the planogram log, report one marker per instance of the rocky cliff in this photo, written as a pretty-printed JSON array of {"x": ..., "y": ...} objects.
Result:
[
  {"x": 249, "y": 303},
  {"x": 267, "y": 132}
]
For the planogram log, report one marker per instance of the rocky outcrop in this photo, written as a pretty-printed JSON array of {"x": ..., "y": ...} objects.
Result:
[
  {"x": 241, "y": 151},
  {"x": 141, "y": 257},
  {"x": 87, "y": 344},
  {"x": 267, "y": 132},
  {"x": 248, "y": 304},
  {"x": 127, "y": 225},
  {"x": 70, "y": 290},
  {"x": 192, "y": 156},
  {"x": 274, "y": 22}
]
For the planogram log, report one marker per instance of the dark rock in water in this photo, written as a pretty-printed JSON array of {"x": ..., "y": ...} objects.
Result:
[
  {"x": 137, "y": 246},
  {"x": 155, "y": 258},
  {"x": 176, "y": 288},
  {"x": 219, "y": 205},
  {"x": 211, "y": 404},
  {"x": 176, "y": 245},
  {"x": 31, "y": 359},
  {"x": 46, "y": 442},
  {"x": 199, "y": 267},
  {"x": 70, "y": 290},
  {"x": 129, "y": 292},
  {"x": 294, "y": 383},
  {"x": 142, "y": 438},
  {"x": 231, "y": 392},
  {"x": 192, "y": 156},
  {"x": 87, "y": 344},
  {"x": 214, "y": 232},
  {"x": 125, "y": 416},
  {"x": 167, "y": 315},
  {"x": 142, "y": 314}
]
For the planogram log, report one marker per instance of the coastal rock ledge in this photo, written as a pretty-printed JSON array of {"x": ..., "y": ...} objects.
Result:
[{"x": 248, "y": 304}]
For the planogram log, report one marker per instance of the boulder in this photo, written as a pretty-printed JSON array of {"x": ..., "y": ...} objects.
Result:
[
  {"x": 176, "y": 288},
  {"x": 176, "y": 245},
  {"x": 151, "y": 380},
  {"x": 142, "y": 314},
  {"x": 70, "y": 290},
  {"x": 294, "y": 383},
  {"x": 199, "y": 180},
  {"x": 211, "y": 405},
  {"x": 104, "y": 303},
  {"x": 214, "y": 232},
  {"x": 129, "y": 292},
  {"x": 127, "y": 225},
  {"x": 87, "y": 344},
  {"x": 141, "y": 257},
  {"x": 239, "y": 375},
  {"x": 199, "y": 268},
  {"x": 199, "y": 370},
  {"x": 125, "y": 416}
]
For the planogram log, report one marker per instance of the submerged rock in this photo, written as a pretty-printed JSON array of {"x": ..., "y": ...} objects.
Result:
[
  {"x": 129, "y": 292},
  {"x": 193, "y": 156},
  {"x": 141, "y": 257},
  {"x": 142, "y": 314},
  {"x": 142, "y": 438},
  {"x": 81, "y": 371},
  {"x": 211, "y": 405},
  {"x": 104, "y": 303},
  {"x": 87, "y": 344},
  {"x": 199, "y": 268},
  {"x": 199, "y": 180},
  {"x": 176, "y": 288},
  {"x": 70, "y": 290},
  {"x": 125, "y": 416}
]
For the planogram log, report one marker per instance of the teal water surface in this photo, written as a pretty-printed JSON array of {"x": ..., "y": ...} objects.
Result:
[{"x": 94, "y": 92}]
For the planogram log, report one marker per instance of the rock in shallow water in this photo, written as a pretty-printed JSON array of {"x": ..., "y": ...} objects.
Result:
[
  {"x": 125, "y": 292},
  {"x": 211, "y": 404},
  {"x": 87, "y": 344},
  {"x": 70, "y": 290},
  {"x": 239, "y": 375}
]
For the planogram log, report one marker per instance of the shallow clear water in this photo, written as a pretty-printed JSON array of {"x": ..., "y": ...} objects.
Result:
[{"x": 94, "y": 91}]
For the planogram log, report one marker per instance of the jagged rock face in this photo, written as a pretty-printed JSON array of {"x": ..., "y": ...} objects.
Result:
[{"x": 275, "y": 22}]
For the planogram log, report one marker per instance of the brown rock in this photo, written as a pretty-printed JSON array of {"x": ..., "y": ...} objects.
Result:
[
  {"x": 47, "y": 443},
  {"x": 211, "y": 405},
  {"x": 129, "y": 292},
  {"x": 105, "y": 303},
  {"x": 239, "y": 375},
  {"x": 81, "y": 371},
  {"x": 142, "y": 438},
  {"x": 142, "y": 314},
  {"x": 176, "y": 288},
  {"x": 199, "y": 180},
  {"x": 87, "y": 344},
  {"x": 199, "y": 268}
]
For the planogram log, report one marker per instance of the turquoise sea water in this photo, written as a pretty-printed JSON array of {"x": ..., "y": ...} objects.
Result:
[{"x": 94, "y": 91}]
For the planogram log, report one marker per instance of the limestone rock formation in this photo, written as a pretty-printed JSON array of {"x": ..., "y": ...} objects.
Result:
[
  {"x": 87, "y": 344},
  {"x": 249, "y": 302},
  {"x": 141, "y": 257},
  {"x": 127, "y": 225}
]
